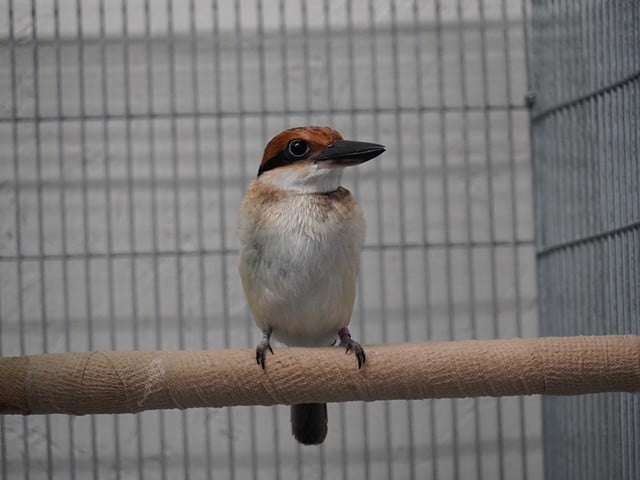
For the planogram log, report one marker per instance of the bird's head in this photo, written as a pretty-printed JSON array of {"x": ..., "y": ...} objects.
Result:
[{"x": 311, "y": 159}]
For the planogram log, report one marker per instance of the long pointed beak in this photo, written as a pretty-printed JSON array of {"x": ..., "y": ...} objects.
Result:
[{"x": 344, "y": 153}]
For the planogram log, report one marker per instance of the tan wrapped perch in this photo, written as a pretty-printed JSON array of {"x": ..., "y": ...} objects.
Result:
[{"x": 127, "y": 382}]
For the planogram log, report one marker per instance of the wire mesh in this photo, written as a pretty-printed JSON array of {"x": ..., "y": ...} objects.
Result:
[
  {"x": 131, "y": 129},
  {"x": 587, "y": 178}
]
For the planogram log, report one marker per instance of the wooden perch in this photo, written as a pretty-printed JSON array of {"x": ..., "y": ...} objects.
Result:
[{"x": 133, "y": 381}]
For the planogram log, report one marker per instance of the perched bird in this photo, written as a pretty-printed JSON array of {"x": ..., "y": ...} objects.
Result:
[{"x": 300, "y": 239}]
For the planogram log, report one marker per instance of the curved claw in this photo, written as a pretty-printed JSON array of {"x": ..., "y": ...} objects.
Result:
[
  {"x": 261, "y": 349},
  {"x": 352, "y": 346}
]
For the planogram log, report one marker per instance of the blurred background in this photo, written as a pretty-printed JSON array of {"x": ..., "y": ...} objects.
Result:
[{"x": 130, "y": 130}]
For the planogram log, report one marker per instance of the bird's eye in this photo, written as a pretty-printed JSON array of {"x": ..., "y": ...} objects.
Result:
[{"x": 298, "y": 148}]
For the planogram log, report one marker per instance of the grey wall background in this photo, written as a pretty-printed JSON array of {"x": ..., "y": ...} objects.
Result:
[
  {"x": 129, "y": 131},
  {"x": 587, "y": 175}
]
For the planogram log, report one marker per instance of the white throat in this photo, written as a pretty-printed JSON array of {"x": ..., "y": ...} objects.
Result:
[{"x": 309, "y": 179}]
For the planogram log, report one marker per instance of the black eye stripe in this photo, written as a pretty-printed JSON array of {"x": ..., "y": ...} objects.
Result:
[
  {"x": 296, "y": 150},
  {"x": 280, "y": 160}
]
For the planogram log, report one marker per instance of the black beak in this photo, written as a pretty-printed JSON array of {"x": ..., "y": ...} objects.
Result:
[{"x": 344, "y": 153}]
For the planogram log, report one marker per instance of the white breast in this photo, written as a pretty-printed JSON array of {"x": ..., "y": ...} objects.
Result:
[{"x": 299, "y": 264}]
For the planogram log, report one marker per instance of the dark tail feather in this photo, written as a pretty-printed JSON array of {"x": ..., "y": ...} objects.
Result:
[{"x": 309, "y": 423}]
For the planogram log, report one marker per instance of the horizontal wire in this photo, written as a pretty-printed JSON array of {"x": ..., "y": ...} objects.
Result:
[
  {"x": 587, "y": 239},
  {"x": 101, "y": 117},
  {"x": 587, "y": 96},
  {"x": 234, "y": 251},
  {"x": 90, "y": 38}
]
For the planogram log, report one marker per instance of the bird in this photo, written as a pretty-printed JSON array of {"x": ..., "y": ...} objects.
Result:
[{"x": 301, "y": 234}]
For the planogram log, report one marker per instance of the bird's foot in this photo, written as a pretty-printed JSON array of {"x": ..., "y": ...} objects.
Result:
[
  {"x": 263, "y": 346},
  {"x": 351, "y": 345}
]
